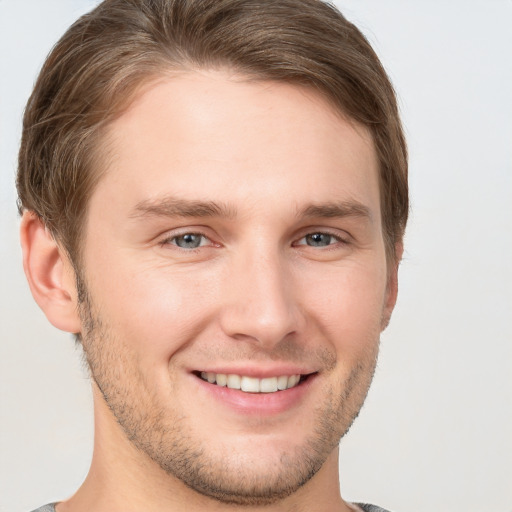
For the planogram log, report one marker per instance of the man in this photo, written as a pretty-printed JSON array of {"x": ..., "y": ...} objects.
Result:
[{"x": 214, "y": 196}]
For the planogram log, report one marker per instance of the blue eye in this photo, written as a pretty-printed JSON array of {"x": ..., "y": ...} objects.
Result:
[
  {"x": 319, "y": 239},
  {"x": 189, "y": 240}
]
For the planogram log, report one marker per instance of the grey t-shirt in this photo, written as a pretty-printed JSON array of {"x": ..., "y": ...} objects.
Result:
[
  {"x": 364, "y": 506},
  {"x": 46, "y": 508},
  {"x": 370, "y": 508}
]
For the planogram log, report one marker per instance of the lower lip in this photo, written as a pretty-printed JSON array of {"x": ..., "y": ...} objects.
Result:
[{"x": 258, "y": 403}]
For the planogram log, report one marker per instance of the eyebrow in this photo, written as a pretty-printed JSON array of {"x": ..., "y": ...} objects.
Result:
[
  {"x": 176, "y": 207},
  {"x": 185, "y": 208},
  {"x": 337, "y": 210}
]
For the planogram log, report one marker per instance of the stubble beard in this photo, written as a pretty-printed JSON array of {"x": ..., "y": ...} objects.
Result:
[{"x": 164, "y": 437}]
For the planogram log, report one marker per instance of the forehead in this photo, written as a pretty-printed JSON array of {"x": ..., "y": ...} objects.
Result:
[{"x": 218, "y": 136}]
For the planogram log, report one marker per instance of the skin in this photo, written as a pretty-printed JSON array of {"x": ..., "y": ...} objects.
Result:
[{"x": 290, "y": 273}]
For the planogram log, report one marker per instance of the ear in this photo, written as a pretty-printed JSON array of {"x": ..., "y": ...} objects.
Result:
[
  {"x": 392, "y": 285},
  {"x": 50, "y": 275}
]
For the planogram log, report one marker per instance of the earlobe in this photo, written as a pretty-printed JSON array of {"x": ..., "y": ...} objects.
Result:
[
  {"x": 49, "y": 273},
  {"x": 392, "y": 286}
]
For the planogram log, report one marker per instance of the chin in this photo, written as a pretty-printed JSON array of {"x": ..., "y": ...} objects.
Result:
[{"x": 270, "y": 477}]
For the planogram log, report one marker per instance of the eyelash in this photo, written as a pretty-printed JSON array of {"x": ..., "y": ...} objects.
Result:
[
  {"x": 171, "y": 240},
  {"x": 337, "y": 240}
]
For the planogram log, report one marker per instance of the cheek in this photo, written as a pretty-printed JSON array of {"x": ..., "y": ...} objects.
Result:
[
  {"x": 152, "y": 307},
  {"x": 348, "y": 306}
]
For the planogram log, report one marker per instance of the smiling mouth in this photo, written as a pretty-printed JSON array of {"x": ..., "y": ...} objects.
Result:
[{"x": 253, "y": 384}]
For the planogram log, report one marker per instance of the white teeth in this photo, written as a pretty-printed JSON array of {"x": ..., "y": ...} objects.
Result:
[
  {"x": 293, "y": 380},
  {"x": 222, "y": 379},
  {"x": 282, "y": 382},
  {"x": 233, "y": 381},
  {"x": 268, "y": 385},
  {"x": 252, "y": 384}
]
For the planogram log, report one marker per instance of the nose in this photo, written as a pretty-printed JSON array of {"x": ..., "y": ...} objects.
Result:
[{"x": 260, "y": 301}]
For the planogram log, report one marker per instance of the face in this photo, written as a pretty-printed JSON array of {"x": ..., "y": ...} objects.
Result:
[{"x": 236, "y": 282}]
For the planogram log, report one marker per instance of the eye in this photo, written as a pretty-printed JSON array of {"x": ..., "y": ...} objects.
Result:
[
  {"x": 319, "y": 240},
  {"x": 188, "y": 240}
]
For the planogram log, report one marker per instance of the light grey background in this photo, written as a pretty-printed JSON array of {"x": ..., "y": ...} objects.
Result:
[{"x": 436, "y": 431}]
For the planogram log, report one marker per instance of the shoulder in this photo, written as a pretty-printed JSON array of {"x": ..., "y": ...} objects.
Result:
[{"x": 46, "y": 508}]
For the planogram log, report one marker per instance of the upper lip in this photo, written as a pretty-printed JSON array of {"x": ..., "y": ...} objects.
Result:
[{"x": 261, "y": 371}]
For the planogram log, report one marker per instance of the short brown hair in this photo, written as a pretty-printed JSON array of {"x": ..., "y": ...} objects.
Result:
[{"x": 102, "y": 60}]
